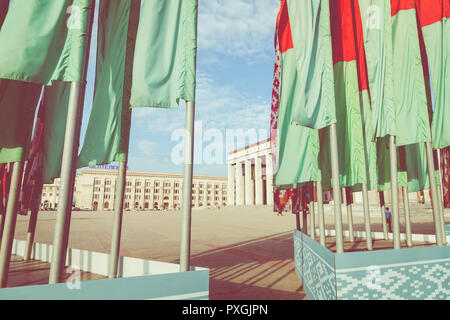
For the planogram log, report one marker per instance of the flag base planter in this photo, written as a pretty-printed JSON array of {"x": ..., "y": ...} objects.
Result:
[
  {"x": 138, "y": 279},
  {"x": 413, "y": 273}
]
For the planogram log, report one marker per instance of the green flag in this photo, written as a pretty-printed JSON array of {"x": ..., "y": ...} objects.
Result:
[
  {"x": 434, "y": 16},
  {"x": 42, "y": 40},
  {"x": 377, "y": 33},
  {"x": 108, "y": 131},
  {"x": 18, "y": 102},
  {"x": 410, "y": 96},
  {"x": 298, "y": 146},
  {"x": 55, "y": 102},
  {"x": 311, "y": 37},
  {"x": 164, "y": 62}
]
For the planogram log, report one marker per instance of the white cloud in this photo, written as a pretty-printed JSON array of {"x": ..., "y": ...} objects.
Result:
[
  {"x": 218, "y": 106},
  {"x": 149, "y": 148},
  {"x": 239, "y": 28}
]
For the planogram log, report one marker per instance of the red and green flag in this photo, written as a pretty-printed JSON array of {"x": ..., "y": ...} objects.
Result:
[
  {"x": 357, "y": 156},
  {"x": 377, "y": 34},
  {"x": 434, "y": 19},
  {"x": 298, "y": 146},
  {"x": 164, "y": 69},
  {"x": 410, "y": 98},
  {"x": 108, "y": 131},
  {"x": 311, "y": 41}
]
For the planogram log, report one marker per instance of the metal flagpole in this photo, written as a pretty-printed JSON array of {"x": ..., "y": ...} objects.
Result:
[
  {"x": 365, "y": 194},
  {"x": 407, "y": 216},
  {"x": 2, "y": 225},
  {"x": 312, "y": 227},
  {"x": 31, "y": 233},
  {"x": 441, "y": 199},
  {"x": 321, "y": 212},
  {"x": 336, "y": 189},
  {"x": 441, "y": 207},
  {"x": 394, "y": 190},
  {"x": 10, "y": 222},
  {"x": 71, "y": 143},
  {"x": 434, "y": 195},
  {"x": 305, "y": 222},
  {"x": 383, "y": 215},
  {"x": 349, "y": 218},
  {"x": 118, "y": 216},
  {"x": 185, "y": 246},
  {"x": 122, "y": 173}
]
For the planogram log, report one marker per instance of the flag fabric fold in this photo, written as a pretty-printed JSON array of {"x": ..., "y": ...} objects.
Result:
[
  {"x": 164, "y": 69},
  {"x": 108, "y": 131}
]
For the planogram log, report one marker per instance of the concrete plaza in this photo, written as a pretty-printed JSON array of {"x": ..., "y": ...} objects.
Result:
[{"x": 249, "y": 250}]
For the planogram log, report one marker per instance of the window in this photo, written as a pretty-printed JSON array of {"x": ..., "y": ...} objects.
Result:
[
  {"x": 166, "y": 184},
  {"x": 139, "y": 190},
  {"x": 96, "y": 196},
  {"x": 155, "y": 197},
  {"x": 107, "y": 189},
  {"x": 97, "y": 182},
  {"x": 129, "y": 184},
  {"x": 108, "y": 182},
  {"x": 157, "y": 191},
  {"x": 177, "y": 185},
  {"x": 156, "y": 183},
  {"x": 148, "y": 190},
  {"x": 128, "y": 190},
  {"x": 148, "y": 184},
  {"x": 138, "y": 183}
]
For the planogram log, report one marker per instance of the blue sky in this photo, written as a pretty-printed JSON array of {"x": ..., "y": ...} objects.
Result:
[{"x": 234, "y": 85}]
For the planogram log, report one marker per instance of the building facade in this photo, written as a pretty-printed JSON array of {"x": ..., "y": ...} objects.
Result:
[
  {"x": 248, "y": 181},
  {"x": 95, "y": 189}
]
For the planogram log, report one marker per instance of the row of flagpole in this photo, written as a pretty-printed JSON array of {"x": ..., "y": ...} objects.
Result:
[
  {"x": 68, "y": 172},
  {"x": 436, "y": 201}
]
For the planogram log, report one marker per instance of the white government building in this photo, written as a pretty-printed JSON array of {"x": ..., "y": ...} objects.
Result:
[
  {"x": 95, "y": 190},
  {"x": 248, "y": 183}
]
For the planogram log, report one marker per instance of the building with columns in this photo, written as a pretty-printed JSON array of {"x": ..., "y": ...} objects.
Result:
[
  {"x": 95, "y": 189},
  {"x": 248, "y": 181}
]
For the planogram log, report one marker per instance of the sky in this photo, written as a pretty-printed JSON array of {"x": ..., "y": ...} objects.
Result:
[{"x": 235, "y": 63}]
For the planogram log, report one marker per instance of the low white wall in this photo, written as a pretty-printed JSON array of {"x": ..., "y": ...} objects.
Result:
[{"x": 98, "y": 263}]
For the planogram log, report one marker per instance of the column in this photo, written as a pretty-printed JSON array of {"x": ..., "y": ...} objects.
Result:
[
  {"x": 269, "y": 179},
  {"x": 239, "y": 185},
  {"x": 258, "y": 182},
  {"x": 230, "y": 185},
  {"x": 248, "y": 183}
]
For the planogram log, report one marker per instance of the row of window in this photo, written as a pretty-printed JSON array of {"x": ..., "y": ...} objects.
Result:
[{"x": 156, "y": 184}]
